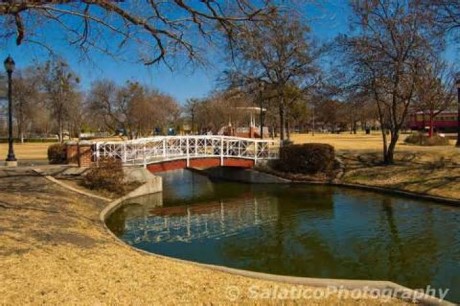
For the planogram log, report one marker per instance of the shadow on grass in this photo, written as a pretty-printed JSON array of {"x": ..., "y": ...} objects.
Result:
[{"x": 36, "y": 214}]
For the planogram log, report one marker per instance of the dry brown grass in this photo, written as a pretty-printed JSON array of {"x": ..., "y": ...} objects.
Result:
[
  {"x": 31, "y": 151},
  {"x": 54, "y": 250},
  {"x": 362, "y": 142},
  {"x": 425, "y": 170},
  {"x": 37, "y": 150}
]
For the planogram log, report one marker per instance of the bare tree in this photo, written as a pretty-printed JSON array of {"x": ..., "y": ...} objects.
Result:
[
  {"x": 153, "y": 110},
  {"x": 160, "y": 29},
  {"x": 278, "y": 53},
  {"x": 225, "y": 107},
  {"x": 392, "y": 43},
  {"x": 59, "y": 83},
  {"x": 100, "y": 106},
  {"x": 133, "y": 107},
  {"x": 26, "y": 98},
  {"x": 435, "y": 91},
  {"x": 445, "y": 14},
  {"x": 190, "y": 109}
]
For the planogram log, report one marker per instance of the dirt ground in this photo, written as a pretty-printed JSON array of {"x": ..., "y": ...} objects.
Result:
[{"x": 55, "y": 250}]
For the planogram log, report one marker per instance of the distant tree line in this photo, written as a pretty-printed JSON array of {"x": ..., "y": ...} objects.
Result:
[{"x": 49, "y": 102}]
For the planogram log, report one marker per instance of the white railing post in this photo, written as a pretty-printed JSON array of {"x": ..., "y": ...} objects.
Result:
[
  {"x": 145, "y": 158},
  {"x": 164, "y": 147},
  {"x": 187, "y": 148},
  {"x": 125, "y": 156},
  {"x": 98, "y": 154},
  {"x": 222, "y": 150},
  {"x": 255, "y": 152},
  {"x": 197, "y": 143}
]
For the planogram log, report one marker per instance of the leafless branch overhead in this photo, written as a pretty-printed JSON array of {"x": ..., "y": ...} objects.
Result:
[{"x": 164, "y": 29}]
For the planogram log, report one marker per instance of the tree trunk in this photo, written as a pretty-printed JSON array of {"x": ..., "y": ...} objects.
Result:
[
  {"x": 288, "y": 132},
  {"x": 20, "y": 130},
  {"x": 282, "y": 119},
  {"x": 61, "y": 138},
  {"x": 385, "y": 145},
  {"x": 430, "y": 132},
  {"x": 391, "y": 148}
]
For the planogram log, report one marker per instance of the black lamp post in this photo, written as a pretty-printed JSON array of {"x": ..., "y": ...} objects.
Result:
[
  {"x": 457, "y": 82},
  {"x": 9, "y": 67}
]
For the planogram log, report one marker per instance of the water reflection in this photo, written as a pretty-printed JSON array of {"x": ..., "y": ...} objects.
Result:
[
  {"x": 314, "y": 231},
  {"x": 206, "y": 221}
]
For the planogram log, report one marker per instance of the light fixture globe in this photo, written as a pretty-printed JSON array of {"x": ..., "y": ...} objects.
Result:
[{"x": 9, "y": 64}]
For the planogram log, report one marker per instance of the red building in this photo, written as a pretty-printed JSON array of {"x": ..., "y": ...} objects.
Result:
[{"x": 444, "y": 122}]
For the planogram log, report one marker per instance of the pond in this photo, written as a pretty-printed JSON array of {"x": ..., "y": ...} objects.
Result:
[{"x": 297, "y": 230}]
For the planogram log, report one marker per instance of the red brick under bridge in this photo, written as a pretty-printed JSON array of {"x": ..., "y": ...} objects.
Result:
[{"x": 202, "y": 163}]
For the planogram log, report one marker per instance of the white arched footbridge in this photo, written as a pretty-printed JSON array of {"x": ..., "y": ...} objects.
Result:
[{"x": 206, "y": 150}]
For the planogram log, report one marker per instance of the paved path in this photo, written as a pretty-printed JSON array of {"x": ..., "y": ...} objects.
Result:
[{"x": 54, "y": 249}]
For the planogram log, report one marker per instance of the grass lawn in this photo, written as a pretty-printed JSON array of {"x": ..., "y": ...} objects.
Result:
[
  {"x": 427, "y": 170},
  {"x": 29, "y": 151}
]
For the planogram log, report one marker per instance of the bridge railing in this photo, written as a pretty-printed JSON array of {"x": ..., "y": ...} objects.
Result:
[{"x": 145, "y": 151}]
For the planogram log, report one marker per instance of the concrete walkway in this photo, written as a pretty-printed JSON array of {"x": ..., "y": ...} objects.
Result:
[{"x": 55, "y": 250}]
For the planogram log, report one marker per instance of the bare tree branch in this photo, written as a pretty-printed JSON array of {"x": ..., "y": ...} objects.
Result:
[{"x": 164, "y": 28}]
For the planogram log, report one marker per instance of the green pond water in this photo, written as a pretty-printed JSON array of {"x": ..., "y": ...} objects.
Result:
[{"x": 298, "y": 230}]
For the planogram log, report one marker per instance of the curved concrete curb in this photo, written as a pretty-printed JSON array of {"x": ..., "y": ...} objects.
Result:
[
  {"x": 369, "y": 286},
  {"x": 407, "y": 194},
  {"x": 52, "y": 179},
  {"x": 386, "y": 190}
]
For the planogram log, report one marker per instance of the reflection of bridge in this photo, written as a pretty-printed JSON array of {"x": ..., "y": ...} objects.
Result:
[
  {"x": 189, "y": 151},
  {"x": 186, "y": 223}
]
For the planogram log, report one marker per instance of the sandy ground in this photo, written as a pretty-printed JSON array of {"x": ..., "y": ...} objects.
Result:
[{"x": 55, "y": 250}]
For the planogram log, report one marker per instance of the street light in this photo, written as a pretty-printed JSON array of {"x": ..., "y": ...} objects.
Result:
[
  {"x": 457, "y": 82},
  {"x": 11, "y": 160}
]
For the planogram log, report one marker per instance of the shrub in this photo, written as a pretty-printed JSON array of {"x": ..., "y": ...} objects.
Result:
[
  {"x": 310, "y": 158},
  {"x": 107, "y": 175},
  {"x": 423, "y": 140},
  {"x": 57, "y": 153}
]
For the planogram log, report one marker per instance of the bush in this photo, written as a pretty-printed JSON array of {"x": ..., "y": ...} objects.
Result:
[
  {"x": 108, "y": 175},
  {"x": 57, "y": 153},
  {"x": 424, "y": 140},
  {"x": 310, "y": 158}
]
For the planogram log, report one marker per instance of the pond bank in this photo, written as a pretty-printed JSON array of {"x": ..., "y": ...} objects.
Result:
[{"x": 56, "y": 250}]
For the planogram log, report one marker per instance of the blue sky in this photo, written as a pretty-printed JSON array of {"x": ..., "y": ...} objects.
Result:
[{"x": 326, "y": 20}]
